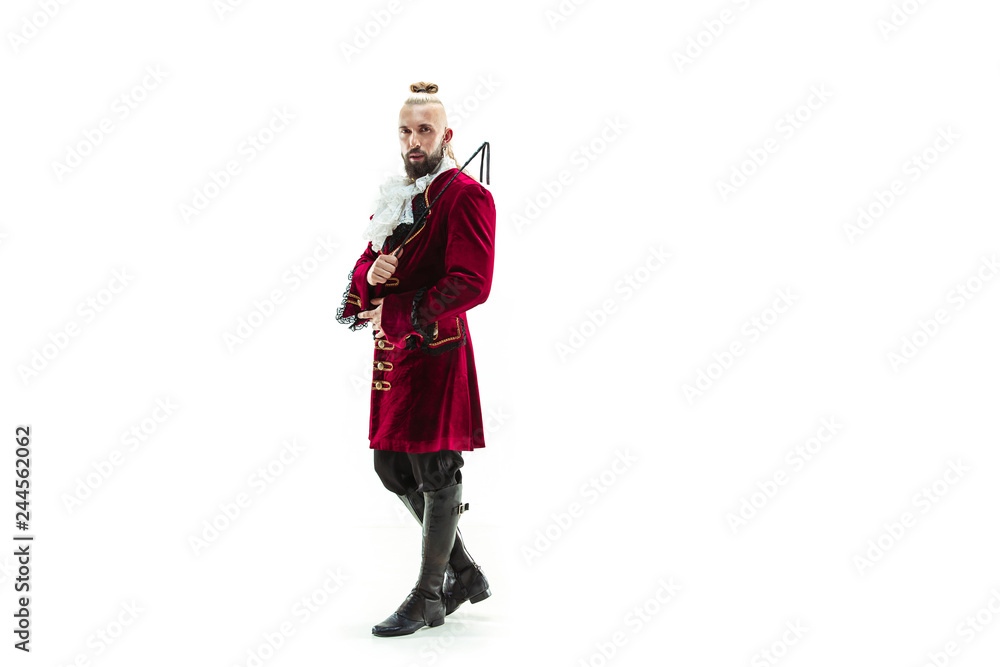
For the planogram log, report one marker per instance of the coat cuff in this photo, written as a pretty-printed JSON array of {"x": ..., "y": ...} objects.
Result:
[
  {"x": 404, "y": 326},
  {"x": 399, "y": 319},
  {"x": 356, "y": 298}
]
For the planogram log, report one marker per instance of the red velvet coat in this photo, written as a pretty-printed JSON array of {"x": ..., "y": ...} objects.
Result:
[{"x": 425, "y": 396}]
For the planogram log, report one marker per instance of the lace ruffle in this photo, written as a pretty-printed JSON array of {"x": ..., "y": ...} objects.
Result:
[
  {"x": 392, "y": 205},
  {"x": 353, "y": 322}
]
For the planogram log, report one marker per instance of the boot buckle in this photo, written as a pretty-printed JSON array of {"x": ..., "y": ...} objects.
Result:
[{"x": 458, "y": 509}]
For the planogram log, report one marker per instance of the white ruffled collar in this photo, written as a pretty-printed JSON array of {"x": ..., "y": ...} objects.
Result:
[{"x": 393, "y": 205}]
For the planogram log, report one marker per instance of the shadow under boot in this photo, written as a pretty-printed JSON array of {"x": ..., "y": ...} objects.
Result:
[
  {"x": 425, "y": 604},
  {"x": 465, "y": 579}
]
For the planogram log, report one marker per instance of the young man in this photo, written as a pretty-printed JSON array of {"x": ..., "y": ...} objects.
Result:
[{"x": 425, "y": 398}]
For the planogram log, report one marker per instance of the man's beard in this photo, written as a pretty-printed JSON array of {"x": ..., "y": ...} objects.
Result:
[{"x": 422, "y": 167}]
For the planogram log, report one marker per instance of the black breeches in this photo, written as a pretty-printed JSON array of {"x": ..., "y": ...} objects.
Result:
[{"x": 402, "y": 472}]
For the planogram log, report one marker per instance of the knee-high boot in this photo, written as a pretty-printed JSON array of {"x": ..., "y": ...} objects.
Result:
[
  {"x": 465, "y": 579},
  {"x": 425, "y": 604}
]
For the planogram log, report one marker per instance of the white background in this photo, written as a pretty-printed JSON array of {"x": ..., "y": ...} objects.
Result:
[{"x": 576, "y": 370}]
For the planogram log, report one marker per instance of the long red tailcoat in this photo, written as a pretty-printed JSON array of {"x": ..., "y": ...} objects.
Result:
[{"x": 425, "y": 395}]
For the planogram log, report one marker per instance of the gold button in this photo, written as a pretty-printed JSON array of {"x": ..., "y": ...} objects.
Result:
[
  {"x": 380, "y": 365},
  {"x": 378, "y": 384},
  {"x": 381, "y": 344}
]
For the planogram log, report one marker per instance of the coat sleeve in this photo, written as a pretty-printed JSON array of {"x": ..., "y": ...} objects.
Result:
[
  {"x": 358, "y": 293},
  {"x": 408, "y": 317}
]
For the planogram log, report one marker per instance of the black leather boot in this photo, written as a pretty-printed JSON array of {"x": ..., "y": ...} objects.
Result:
[
  {"x": 413, "y": 500},
  {"x": 464, "y": 579},
  {"x": 425, "y": 604}
]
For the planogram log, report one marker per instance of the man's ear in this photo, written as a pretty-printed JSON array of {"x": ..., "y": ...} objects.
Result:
[{"x": 447, "y": 134}]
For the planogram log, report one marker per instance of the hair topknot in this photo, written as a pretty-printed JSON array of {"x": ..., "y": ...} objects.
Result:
[{"x": 423, "y": 87}]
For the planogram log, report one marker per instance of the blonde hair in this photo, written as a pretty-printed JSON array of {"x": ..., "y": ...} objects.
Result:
[{"x": 423, "y": 92}]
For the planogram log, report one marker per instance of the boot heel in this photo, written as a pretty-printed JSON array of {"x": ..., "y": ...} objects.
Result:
[
  {"x": 480, "y": 597},
  {"x": 435, "y": 623}
]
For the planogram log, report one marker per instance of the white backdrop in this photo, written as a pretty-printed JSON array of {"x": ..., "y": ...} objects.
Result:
[{"x": 738, "y": 364}]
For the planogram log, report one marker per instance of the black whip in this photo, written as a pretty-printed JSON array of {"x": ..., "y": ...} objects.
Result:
[{"x": 417, "y": 224}]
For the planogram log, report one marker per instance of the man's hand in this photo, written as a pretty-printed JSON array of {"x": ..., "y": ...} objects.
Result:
[
  {"x": 375, "y": 315},
  {"x": 382, "y": 269}
]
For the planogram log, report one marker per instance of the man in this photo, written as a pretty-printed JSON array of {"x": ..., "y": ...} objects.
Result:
[{"x": 425, "y": 406}]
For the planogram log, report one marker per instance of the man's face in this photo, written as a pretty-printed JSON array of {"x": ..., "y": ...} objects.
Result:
[{"x": 421, "y": 138}]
